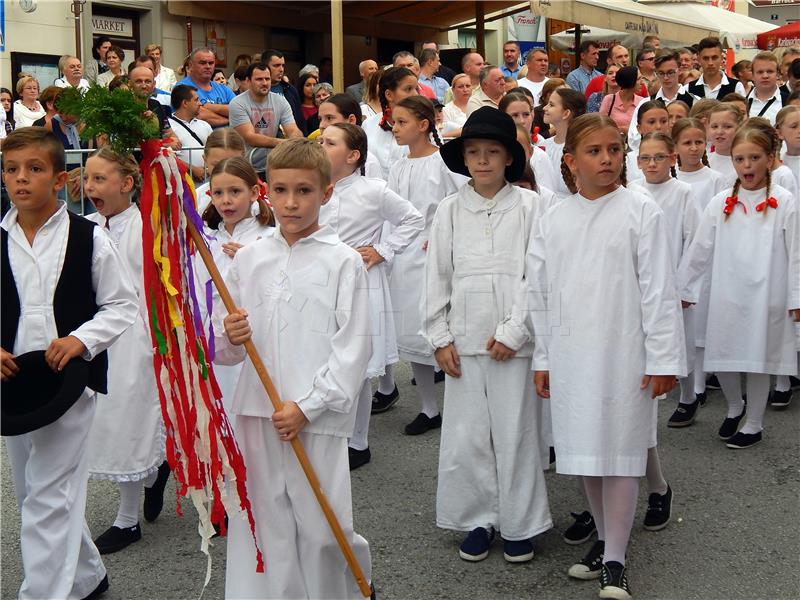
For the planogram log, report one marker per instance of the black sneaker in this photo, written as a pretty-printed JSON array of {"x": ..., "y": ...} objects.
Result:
[
  {"x": 659, "y": 509},
  {"x": 581, "y": 530},
  {"x": 743, "y": 440},
  {"x": 518, "y": 551},
  {"x": 475, "y": 546},
  {"x": 423, "y": 423},
  {"x": 154, "y": 496},
  {"x": 552, "y": 457},
  {"x": 590, "y": 566},
  {"x": 780, "y": 399},
  {"x": 358, "y": 458},
  {"x": 614, "y": 582},
  {"x": 383, "y": 402},
  {"x": 701, "y": 398},
  {"x": 731, "y": 425},
  {"x": 101, "y": 589},
  {"x": 684, "y": 415},
  {"x": 712, "y": 383},
  {"x": 115, "y": 538}
]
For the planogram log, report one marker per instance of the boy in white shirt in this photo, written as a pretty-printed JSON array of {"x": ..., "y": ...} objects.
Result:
[
  {"x": 306, "y": 294},
  {"x": 490, "y": 475}
]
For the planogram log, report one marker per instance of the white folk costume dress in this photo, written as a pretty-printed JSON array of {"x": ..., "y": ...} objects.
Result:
[
  {"x": 606, "y": 312},
  {"x": 705, "y": 184},
  {"x": 793, "y": 164},
  {"x": 754, "y": 261},
  {"x": 724, "y": 166},
  {"x": 424, "y": 182},
  {"x": 490, "y": 472},
  {"x": 246, "y": 231},
  {"x": 126, "y": 442},
  {"x": 357, "y": 212},
  {"x": 49, "y": 465},
  {"x": 307, "y": 307},
  {"x": 554, "y": 152},
  {"x": 543, "y": 169},
  {"x": 382, "y": 144},
  {"x": 675, "y": 198},
  {"x": 784, "y": 177}
]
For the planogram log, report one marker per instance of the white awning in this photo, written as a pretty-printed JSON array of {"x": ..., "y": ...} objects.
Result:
[
  {"x": 604, "y": 38},
  {"x": 683, "y": 22}
]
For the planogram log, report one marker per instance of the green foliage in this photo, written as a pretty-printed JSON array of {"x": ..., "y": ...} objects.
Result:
[{"x": 117, "y": 115}]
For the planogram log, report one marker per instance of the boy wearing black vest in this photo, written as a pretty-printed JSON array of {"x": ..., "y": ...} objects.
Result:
[
  {"x": 713, "y": 83},
  {"x": 64, "y": 292}
]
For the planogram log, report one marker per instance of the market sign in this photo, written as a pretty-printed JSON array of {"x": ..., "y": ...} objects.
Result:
[
  {"x": 775, "y": 2},
  {"x": 112, "y": 26}
]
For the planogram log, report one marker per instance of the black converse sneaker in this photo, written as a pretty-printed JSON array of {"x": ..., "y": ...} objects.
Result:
[
  {"x": 614, "y": 582},
  {"x": 659, "y": 509},
  {"x": 581, "y": 530},
  {"x": 589, "y": 566},
  {"x": 684, "y": 415}
]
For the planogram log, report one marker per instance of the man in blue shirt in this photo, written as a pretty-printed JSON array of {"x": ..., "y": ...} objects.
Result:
[
  {"x": 429, "y": 63},
  {"x": 214, "y": 97},
  {"x": 511, "y": 54},
  {"x": 580, "y": 77}
]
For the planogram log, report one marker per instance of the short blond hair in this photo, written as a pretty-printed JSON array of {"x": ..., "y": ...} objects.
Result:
[
  {"x": 150, "y": 47},
  {"x": 301, "y": 153},
  {"x": 25, "y": 80},
  {"x": 768, "y": 56}
]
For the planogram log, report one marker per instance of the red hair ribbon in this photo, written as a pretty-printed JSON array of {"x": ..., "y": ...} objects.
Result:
[
  {"x": 730, "y": 204},
  {"x": 262, "y": 192},
  {"x": 387, "y": 114},
  {"x": 769, "y": 202},
  {"x": 535, "y": 134}
]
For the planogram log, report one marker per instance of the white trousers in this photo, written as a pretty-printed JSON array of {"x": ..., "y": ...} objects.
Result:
[
  {"x": 490, "y": 472},
  {"x": 302, "y": 558},
  {"x": 50, "y": 471}
]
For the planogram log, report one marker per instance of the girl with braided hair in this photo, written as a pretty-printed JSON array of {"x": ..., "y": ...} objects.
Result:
[
  {"x": 394, "y": 85},
  {"x": 358, "y": 211},
  {"x": 690, "y": 143},
  {"x": 749, "y": 242},
  {"x": 424, "y": 180},
  {"x": 603, "y": 421},
  {"x": 723, "y": 121}
]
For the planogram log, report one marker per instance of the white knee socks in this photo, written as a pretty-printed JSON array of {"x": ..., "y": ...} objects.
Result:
[
  {"x": 655, "y": 479},
  {"x": 699, "y": 374},
  {"x": 426, "y": 389},
  {"x": 732, "y": 388},
  {"x": 757, "y": 393},
  {"x": 782, "y": 383},
  {"x": 593, "y": 488},
  {"x": 386, "y": 383},
  {"x": 687, "y": 389},
  {"x": 619, "y": 507},
  {"x": 130, "y": 495},
  {"x": 360, "y": 439}
]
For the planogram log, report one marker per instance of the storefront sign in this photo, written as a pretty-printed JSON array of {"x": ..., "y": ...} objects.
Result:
[{"x": 112, "y": 26}]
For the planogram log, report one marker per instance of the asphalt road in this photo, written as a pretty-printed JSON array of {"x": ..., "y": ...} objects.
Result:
[{"x": 734, "y": 533}]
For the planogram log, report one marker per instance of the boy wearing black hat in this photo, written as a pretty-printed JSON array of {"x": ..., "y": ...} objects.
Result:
[
  {"x": 490, "y": 476},
  {"x": 64, "y": 293}
]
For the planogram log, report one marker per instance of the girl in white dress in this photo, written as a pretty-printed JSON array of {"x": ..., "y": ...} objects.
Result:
[
  {"x": 651, "y": 116},
  {"x": 749, "y": 240},
  {"x": 603, "y": 419},
  {"x": 342, "y": 108},
  {"x": 723, "y": 121},
  {"x": 235, "y": 191},
  {"x": 126, "y": 441},
  {"x": 690, "y": 143},
  {"x": 221, "y": 144},
  {"x": 395, "y": 84},
  {"x": 357, "y": 211},
  {"x": 423, "y": 179},
  {"x": 564, "y": 106}
]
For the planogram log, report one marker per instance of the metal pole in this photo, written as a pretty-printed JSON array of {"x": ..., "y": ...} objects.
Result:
[{"x": 337, "y": 45}]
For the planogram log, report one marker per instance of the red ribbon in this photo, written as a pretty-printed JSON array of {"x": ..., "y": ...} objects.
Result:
[
  {"x": 730, "y": 204},
  {"x": 771, "y": 202},
  {"x": 387, "y": 114},
  {"x": 535, "y": 134},
  {"x": 262, "y": 192}
]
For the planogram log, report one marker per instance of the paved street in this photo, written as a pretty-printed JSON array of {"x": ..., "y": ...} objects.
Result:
[{"x": 734, "y": 533}]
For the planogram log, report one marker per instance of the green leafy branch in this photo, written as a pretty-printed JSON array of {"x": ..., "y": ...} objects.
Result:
[{"x": 116, "y": 115}]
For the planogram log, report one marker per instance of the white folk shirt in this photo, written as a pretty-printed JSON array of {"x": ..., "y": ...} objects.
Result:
[
  {"x": 754, "y": 262},
  {"x": 554, "y": 152},
  {"x": 474, "y": 270},
  {"x": 768, "y": 109},
  {"x": 308, "y": 309},
  {"x": 724, "y": 166},
  {"x": 634, "y": 137},
  {"x": 712, "y": 92},
  {"x": 37, "y": 269},
  {"x": 606, "y": 311},
  {"x": 382, "y": 144},
  {"x": 544, "y": 171}
]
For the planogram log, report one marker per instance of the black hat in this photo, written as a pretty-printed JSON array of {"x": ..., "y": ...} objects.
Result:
[
  {"x": 37, "y": 396},
  {"x": 486, "y": 123}
]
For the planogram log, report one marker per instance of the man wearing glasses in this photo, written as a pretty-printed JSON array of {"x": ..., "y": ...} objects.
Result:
[
  {"x": 667, "y": 69},
  {"x": 645, "y": 62}
]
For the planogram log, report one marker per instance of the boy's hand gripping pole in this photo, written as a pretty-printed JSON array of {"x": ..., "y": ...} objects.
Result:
[{"x": 297, "y": 445}]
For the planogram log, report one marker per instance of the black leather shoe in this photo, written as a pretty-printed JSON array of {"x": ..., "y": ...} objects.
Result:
[
  {"x": 358, "y": 458},
  {"x": 115, "y": 539},
  {"x": 101, "y": 589},
  {"x": 730, "y": 426},
  {"x": 423, "y": 423},
  {"x": 154, "y": 496},
  {"x": 383, "y": 402}
]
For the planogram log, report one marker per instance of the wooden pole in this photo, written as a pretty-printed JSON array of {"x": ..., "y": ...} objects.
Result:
[
  {"x": 297, "y": 445},
  {"x": 337, "y": 45},
  {"x": 77, "y": 7},
  {"x": 480, "y": 29}
]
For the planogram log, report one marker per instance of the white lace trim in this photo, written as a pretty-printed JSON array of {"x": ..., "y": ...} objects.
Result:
[{"x": 127, "y": 477}]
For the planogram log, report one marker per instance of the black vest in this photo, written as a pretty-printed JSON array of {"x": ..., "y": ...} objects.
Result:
[
  {"x": 782, "y": 92},
  {"x": 698, "y": 90},
  {"x": 685, "y": 97},
  {"x": 73, "y": 302}
]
